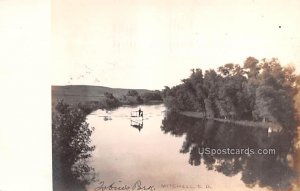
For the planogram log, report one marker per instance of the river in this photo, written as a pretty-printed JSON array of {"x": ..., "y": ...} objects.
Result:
[{"x": 162, "y": 153}]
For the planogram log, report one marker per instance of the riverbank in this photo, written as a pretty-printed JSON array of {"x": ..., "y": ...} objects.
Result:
[
  {"x": 74, "y": 94},
  {"x": 265, "y": 125},
  {"x": 90, "y": 98}
]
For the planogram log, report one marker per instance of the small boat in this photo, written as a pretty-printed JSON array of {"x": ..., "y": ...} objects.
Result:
[
  {"x": 138, "y": 113},
  {"x": 106, "y": 118}
]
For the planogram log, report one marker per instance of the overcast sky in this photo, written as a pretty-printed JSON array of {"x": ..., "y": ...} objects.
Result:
[{"x": 150, "y": 44}]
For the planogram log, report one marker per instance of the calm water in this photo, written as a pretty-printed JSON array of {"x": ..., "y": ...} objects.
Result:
[{"x": 163, "y": 151}]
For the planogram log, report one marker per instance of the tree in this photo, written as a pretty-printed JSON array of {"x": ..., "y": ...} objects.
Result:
[
  {"x": 298, "y": 80},
  {"x": 151, "y": 96},
  {"x": 165, "y": 92},
  {"x": 110, "y": 101},
  {"x": 71, "y": 147},
  {"x": 252, "y": 67},
  {"x": 274, "y": 96},
  {"x": 133, "y": 93}
]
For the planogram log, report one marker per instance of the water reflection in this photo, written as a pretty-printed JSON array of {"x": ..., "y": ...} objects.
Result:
[
  {"x": 271, "y": 170},
  {"x": 137, "y": 124}
]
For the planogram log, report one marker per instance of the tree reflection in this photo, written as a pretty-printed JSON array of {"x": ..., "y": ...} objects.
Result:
[
  {"x": 70, "y": 148},
  {"x": 270, "y": 170}
]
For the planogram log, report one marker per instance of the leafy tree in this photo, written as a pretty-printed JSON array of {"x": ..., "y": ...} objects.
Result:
[
  {"x": 298, "y": 80},
  {"x": 151, "y": 96},
  {"x": 252, "y": 67},
  {"x": 165, "y": 92},
  {"x": 274, "y": 96},
  {"x": 71, "y": 147},
  {"x": 110, "y": 101},
  {"x": 133, "y": 93}
]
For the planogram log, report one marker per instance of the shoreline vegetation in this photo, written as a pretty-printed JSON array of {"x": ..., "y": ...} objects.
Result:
[
  {"x": 274, "y": 127},
  {"x": 258, "y": 93}
]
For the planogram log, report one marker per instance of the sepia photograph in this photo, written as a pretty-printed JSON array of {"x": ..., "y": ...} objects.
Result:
[{"x": 172, "y": 95}]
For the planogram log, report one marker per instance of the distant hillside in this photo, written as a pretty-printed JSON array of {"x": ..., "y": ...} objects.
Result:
[{"x": 74, "y": 94}]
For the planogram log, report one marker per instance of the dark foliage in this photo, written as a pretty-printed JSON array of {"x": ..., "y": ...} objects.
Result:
[
  {"x": 110, "y": 101},
  {"x": 133, "y": 93},
  {"x": 260, "y": 91},
  {"x": 151, "y": 96},
  {"x": 70, "y": 148}
]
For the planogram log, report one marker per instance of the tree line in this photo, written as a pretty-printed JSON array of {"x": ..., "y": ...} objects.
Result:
[
  {"x": 258, "y": 90},
  {"x": 132, "y": 97}
]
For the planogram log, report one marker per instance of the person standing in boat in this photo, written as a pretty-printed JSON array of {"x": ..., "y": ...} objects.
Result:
[{"x": 140, "y": 113}]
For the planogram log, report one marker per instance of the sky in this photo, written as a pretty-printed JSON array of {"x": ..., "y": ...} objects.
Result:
[{"x": 151, "y": 44}]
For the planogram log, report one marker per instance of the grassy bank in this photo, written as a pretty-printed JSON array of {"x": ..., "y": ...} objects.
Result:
[{"x": 275, "y": 127}]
